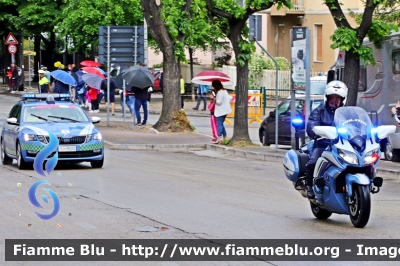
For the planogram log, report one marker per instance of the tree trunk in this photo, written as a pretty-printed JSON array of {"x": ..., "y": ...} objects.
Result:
[
  {"x": 240, "y": 126},
  {"x": 351, "y": 77},
  {"x": 191, "y": 72},
  {"x": 171, "y": 119}
]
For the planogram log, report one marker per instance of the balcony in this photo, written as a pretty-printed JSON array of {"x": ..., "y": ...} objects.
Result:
[{"x": 298, "y": 8}]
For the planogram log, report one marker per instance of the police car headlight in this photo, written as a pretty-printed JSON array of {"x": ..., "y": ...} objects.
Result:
[
  {"x": 29, "y": 137},
  {"x": 348, "y": 156},
  {"x": 97, "y": 136},
  {"x": 42, "y": 138}
]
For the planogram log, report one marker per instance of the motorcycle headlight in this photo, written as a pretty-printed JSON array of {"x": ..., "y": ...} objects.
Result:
[
  {"x": 42, "y": 138},
  {"x": 371, "y": 156},
  {"x": 29, "y": 137},
  {"x": 348, "y": 156},
  {"x": 97, "y": 136}
]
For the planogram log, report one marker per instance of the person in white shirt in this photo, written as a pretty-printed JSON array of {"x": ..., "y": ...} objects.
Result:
[{"x": 222, "y": 108}]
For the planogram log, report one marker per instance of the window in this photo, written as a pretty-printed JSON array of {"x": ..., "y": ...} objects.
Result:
[
  {"x": 317, "y": 42},
  {"x": 396, "y": 62}
]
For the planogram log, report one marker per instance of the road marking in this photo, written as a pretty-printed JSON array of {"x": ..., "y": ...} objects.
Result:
[
  {"x": 85, "y": 225},
  {"x": 10, "y": 193}
]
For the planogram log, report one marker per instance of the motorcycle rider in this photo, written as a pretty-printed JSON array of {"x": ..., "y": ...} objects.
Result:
[{"x": 335, "y": 97}]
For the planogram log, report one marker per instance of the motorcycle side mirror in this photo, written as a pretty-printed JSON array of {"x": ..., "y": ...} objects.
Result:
[
  {"x": 327, "y": 132},
  {"x": 272, "y": 113},
  {"x": 383, "y": 131}
]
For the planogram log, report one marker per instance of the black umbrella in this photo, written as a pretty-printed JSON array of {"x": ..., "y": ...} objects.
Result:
[
  {"x": 140, "y": 77},
  {"x": 119, "y": 81}
]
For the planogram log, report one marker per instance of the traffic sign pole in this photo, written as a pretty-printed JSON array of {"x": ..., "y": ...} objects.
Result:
[{"x": 108, "y": 76}]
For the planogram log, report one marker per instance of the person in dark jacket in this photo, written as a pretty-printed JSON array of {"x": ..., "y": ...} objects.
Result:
[
  {"x": 141, "y": 98},
  {"x": 61, "y": 87},
  {"x": 335, "y": 96}
]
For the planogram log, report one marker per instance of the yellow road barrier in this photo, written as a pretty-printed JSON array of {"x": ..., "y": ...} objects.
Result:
[{"x": 255, "y": 108}]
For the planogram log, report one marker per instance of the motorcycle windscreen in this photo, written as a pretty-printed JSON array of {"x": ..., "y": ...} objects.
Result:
[{"x": 353, "y": 124}]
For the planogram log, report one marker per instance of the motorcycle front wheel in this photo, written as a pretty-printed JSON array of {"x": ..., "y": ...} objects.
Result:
[
  {"x": 319, "y": 213},
  {"x": 360, "y": 209}
]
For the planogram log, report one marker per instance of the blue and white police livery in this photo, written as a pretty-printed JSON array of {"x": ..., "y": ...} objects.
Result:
[{"x": 26, "y": 131}]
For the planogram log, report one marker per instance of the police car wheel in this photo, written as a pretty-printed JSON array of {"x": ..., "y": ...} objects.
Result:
[
  {"x": 97, "y": 164},
  {"x": 20, "y": 160},
  {"x": 4, "y": 158}
]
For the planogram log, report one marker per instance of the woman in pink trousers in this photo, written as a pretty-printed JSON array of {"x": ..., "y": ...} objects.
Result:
[{"x": 213, "y": 119}]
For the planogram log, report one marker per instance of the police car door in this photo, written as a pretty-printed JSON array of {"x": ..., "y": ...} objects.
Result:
[{"x": 11, "y": 131}]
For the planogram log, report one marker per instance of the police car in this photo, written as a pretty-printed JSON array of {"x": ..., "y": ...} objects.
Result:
[{"x": 26, "y": 131}]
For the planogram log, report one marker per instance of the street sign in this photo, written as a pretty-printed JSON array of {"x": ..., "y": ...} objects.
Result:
[
  {"x": 11, "y": 39},
  {"x": 126, "y": 44},
  {"x": 255, "y": 27},
  {"x": 12, "y": 49}
]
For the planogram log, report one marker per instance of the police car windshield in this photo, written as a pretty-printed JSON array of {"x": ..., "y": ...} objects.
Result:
[
  {"x": 54, "y": 113},
  {"x": 317, "y": 87}
]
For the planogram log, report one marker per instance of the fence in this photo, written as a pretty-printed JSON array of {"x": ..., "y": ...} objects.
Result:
[{"x": 264, "y": 80}]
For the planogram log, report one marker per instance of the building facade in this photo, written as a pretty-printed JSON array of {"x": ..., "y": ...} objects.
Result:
[{"x": 276, "y": 26}]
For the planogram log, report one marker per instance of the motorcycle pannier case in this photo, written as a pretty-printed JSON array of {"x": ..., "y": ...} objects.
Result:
[{"x": 294, "y": 164}]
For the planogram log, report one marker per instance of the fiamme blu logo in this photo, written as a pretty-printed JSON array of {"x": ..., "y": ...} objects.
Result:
[{"x": 44, "y": 165}]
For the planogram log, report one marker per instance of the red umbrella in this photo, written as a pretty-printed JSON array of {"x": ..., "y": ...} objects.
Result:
[
  {"x": 90, "y": 63},
  {"x": 208, "y": 76},
  {"x": 93, "y": 70}
]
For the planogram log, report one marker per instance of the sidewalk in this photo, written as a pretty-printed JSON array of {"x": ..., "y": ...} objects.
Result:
[{"x": 125, "y": 136}]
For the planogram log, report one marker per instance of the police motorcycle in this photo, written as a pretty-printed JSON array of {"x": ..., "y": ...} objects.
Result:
[{"x": 344, "y": 175}]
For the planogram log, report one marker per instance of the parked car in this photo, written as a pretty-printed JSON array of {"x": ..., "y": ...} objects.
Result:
[
  {"x": 156, "y": 87},
  {"x": 267, "y": 127},
  {"x": 317, "y": 86}
]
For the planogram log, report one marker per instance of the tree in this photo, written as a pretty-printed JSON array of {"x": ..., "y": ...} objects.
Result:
[
  {"x": 389, "y": 12},
  {"x": 82, "y": 18},
  {"x": 351, "y": 40},
  {"x": 232, "y": 19},
  {"x": 174, "y": 24}
]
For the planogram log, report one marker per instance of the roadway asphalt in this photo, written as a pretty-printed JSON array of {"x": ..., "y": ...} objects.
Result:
[{"x": 130, "y": 137}]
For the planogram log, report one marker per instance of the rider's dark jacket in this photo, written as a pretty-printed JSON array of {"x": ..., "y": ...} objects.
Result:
[{"x": 320, "y": 116}]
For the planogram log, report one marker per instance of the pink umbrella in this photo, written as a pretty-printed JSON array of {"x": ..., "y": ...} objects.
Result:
[
  {"x": 208, "y": 76},
  {"x": 93, "y": 70},
  {"x": 90, "y": 63}
]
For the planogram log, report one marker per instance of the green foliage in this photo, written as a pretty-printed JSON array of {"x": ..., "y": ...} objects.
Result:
[
  {"x": 80, "y": 19},
  {"x": 160, "y": 65},
  {"x": 379, "y": 30},
  {"x": 224, "y": 59},
  {"x": 260, "y": 62}
]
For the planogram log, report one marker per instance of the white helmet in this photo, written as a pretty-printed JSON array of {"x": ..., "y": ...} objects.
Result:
[{"x": 336, "y": 87}]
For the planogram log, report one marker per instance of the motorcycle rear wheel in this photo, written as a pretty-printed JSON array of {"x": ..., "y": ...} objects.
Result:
[
  {"x": 319, "y": 213},
  {"x": 361, "y": 208}
]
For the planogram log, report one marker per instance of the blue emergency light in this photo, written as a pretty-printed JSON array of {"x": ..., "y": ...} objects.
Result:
[{"x": 45, "y": 96}]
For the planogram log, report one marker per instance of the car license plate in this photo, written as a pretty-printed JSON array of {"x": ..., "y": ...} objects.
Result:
[{"x": 63, "y": 148}]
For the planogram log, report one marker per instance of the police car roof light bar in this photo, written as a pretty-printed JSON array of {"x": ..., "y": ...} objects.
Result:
[{"x": 45, "y": 96}]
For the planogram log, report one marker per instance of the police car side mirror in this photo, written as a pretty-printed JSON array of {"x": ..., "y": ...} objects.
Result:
[
  {"x": 12, "y": 121},
  {"x": 96, "y": 119}
]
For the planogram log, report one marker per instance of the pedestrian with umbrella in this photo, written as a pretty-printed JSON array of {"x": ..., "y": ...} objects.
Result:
[
  {"x": 141, "y": 99},
  {"x": 140, "y": 79},
  {"x": 63, "y": 81},
  {"x": 93, "y": 85}
]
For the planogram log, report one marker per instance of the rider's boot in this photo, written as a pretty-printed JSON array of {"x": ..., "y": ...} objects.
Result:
[{"x": 309, "y": 175}]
